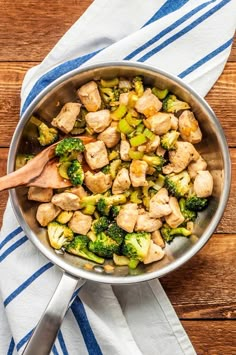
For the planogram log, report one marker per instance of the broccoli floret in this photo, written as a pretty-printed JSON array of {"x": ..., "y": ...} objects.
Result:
[
  {"x": 100, "y": 225},
  {"x": 68, "y": 148},
  {"x": 104, "y": 246},
  {"x": 178, "y": 184},
  {"x": 90, "y": 200},
  {"x": 138, "y": 85},
  {"x": 169, "y": 233},
  {"x": 75, "y": 173},
  {"x": 64, "y": 217},
  {"x": 106, "y": 169},
  {"x": 196, "y": 204},
  {"x": 136, "y": 247},
  {"x": 156, "y": 161},
  {"x": 114, "y": 211},
  {"x": 172, "y": 104},
  {"x": 59, "y": 235},
  {"x": 116, "y": 233},
  {"x": 47, "y": 135},
  {"x": 169, "y": 140},
  {"x": 105, "y": 203},
  {"x": 79, "y": 247},
  {"x": 188, "y": 215},
  {"x": 109, "y": 94}
]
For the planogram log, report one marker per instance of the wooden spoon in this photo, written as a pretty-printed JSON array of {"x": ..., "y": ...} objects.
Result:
[{"x": 39, "y": 171}]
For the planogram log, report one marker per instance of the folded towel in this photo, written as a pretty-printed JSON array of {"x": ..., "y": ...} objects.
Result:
[{"x": 189, "y": 38}]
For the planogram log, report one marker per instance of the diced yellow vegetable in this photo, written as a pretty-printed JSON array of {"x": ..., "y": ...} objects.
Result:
[
  {"x": 109, "y": 83},
  {"x": 134, "y": 154},
  {"x": 118, "y": 113},
  {"x": 124, "y": 127},
  {"x": 133, "y": 98},
  {"x": 120, "y": 260},
  {"x": 138, "y": 140},
  {"x": 63, "y": 169},
  {"x": 89, "y": 209},
  {"x": 64, "y": 217},
  {"x": 132, "y": 121},
  {"x": 159, "y": 183},
  {"x": 113, "y": 155},
  {"x": 161, "y": 94},
  {"x": 114, "y": 166},
  {"x": 149, "y": 134},
  {"x": 135, "y": 196}
]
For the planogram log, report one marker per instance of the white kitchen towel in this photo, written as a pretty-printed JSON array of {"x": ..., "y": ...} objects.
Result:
[{"x": 189, "y": 38}]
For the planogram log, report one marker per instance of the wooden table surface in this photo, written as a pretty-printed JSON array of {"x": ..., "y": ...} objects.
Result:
[{"x": 203, "y": 291}]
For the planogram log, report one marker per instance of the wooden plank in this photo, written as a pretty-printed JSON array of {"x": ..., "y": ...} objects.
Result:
[
  {"x": 29, "y": 31},
  {"x": 203, "y": 287},
  {"x": 222, "y": 98},
  {"x": 36, "y": 28},
  {"x": 212, "y": 337}
]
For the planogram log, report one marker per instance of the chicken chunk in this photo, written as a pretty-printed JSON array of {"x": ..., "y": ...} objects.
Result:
[
  {"x": 148, "y": 103},
  {"x": 203, "y": 184},
  {"x": 174, "y": 122},
  {"x": 99, "y": 120},
  {"x": 146, "y": 223},
  {"x": 80, "y": 223},
  {"x": 96, "y": 155},
  {"x": 110, "y": 136},
  {"x": 89, "y": 96},
  {"x": 160, "y": 123},
  {"x": 181, "y": 157},
  {"x": 121, "y": 182},
  {"x": 124, "y": 150},
  {"x": 175, "y": 218},
  {"x": 127, "y": 217},
  {"x": 124, "y": 98},
  {"x": 157, "y": 239},
  {"x": 66, "y": 201},
  {"x": 189, "y": 128},
  {"x": 196, "y": 166},
  {"x": 40, "y": 194},
  {"x": 155, "y": 253},
  {"x": 152, "y": 146},
  {"x": 159, "y": 204},
  {"x": 138, "y": 169},
  {"x": 66, "y": 118},
  {"x": 46, "y": 213},
  {"x": 98, "y": 183},
  {"x": 160, "y": 151}
]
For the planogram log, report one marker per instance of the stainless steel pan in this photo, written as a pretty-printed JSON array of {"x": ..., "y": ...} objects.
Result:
[{"x": 213, "y": 148}]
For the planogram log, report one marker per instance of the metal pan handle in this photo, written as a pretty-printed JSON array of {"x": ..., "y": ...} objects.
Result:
[{"x": 44, "y": 335}]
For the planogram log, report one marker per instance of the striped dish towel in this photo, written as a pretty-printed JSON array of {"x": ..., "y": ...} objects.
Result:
[{"x": 189, "y": 38}]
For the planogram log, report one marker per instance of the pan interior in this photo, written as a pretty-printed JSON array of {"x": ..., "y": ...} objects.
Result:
[{"x": 213, "y": 149}]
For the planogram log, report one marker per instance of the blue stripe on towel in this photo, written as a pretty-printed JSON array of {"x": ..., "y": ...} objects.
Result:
[
  {"x": 168, "y": 7},
  {"x": 184, "y": 30},
  {"x": 54, "y": 350},
  {"x": 62, "y": 343},
  {"x": 54, "y": 74},
  {"x": 13, "y": 247},
  {"x": 24, "y": 340},
  {"x": 10, "y": 236},
  {"x": 205, "y": 59},
  {"x": 26, "y": 283},
  {"x": 168, "y": 29},
  {"x": 79, "y": 312},
  {"x": 11, "y": 347}
]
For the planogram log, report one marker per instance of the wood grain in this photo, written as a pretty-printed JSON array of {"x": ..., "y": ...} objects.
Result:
[
  {"x": 203, "y": 287},
  {"x": 222, "y": 98},
  {"x": 202, "y": 291},
  {"x": 212, "y": 337},
  {"x": 28, "y": 31}
]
